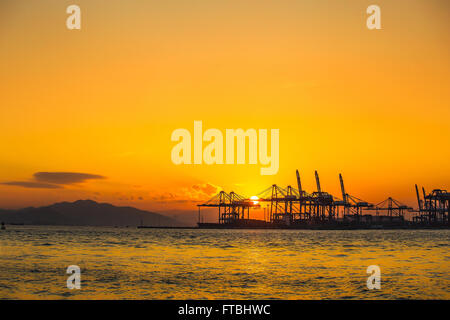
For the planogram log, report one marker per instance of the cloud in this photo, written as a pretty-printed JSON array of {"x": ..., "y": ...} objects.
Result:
[
  {"x": 65, "y": 177},
  {"x": 195, "y": 193},
  {"x": 206, "y": 188},
  {"x": 31, "y": 184},
  {"x": 54, "y": 180}
]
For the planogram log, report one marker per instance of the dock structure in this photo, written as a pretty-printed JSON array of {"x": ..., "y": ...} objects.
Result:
[
  {"x": 394, "y": 212},
  {"x": 433, "y": 208},
  {"x": 296, "y": 208},
  {"x": 350, "y": 207},
  {"x": 231, "y": 207},
  {"x": 394, "y": 208}
]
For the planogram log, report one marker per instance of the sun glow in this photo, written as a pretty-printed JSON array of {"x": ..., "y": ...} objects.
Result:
[{"x": 255, "y": 199}]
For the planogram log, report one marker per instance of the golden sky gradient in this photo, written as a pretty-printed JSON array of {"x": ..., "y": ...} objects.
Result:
[{"x": 373, "y": 105}]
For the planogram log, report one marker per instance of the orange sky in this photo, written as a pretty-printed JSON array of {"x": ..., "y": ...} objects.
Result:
[{"x": 370, "y": 104}]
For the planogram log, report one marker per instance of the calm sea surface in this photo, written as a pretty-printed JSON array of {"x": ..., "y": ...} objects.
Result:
[{"x": 128, "y": 263}]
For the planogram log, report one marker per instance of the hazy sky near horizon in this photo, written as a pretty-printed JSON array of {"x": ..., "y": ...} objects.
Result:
[{"x": 99, "y": 104}]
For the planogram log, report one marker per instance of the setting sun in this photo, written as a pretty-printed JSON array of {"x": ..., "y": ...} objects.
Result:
[{"x": 255, "y": 199}]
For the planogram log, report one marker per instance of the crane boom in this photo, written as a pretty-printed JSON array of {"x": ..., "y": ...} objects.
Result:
[
  {"x": 318, "y": 182},
  {"x": 299, "y": 184},
  {"x": 344, "y": 195},
  {"x": 418, "y": 198},
  {"x": 424, "y": 194}
]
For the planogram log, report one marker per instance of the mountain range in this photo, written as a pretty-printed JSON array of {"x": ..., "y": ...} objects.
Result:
[{"x": 86, "y": 213}]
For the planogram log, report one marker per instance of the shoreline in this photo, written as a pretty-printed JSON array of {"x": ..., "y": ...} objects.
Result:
[{"x": 225, "y": 227}]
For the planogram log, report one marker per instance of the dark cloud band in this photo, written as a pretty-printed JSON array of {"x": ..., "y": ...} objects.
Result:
[
  {"x": 65, "y": 177},
  {"x": 54, "y": 180}
]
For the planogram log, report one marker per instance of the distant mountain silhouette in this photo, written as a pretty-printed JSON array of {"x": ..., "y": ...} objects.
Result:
[{"x": 85, "y": 213}]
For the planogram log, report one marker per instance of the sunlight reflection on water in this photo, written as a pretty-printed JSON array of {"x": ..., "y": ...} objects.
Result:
[{"x": 122, "y": 263}]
